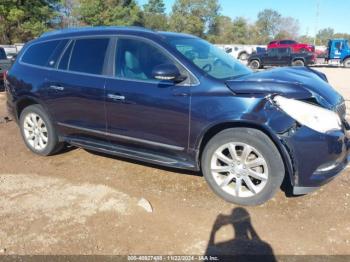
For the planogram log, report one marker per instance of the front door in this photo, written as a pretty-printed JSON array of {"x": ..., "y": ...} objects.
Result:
[
  {"x": 141, "y": 111},
  {"x": 270, "y": 58}
]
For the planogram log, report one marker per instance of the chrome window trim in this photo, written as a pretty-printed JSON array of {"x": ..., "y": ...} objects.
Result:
[
  {"x": 63, "y": 53},
  {"x": 105, "y": 133},
  {"x": 101, "y": 75}
]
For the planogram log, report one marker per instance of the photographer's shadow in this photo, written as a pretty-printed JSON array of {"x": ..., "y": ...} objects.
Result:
[{"x": 246, "y": 241}]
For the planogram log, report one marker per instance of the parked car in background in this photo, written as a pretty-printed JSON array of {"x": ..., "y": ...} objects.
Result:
[
  {"x": 321, "y": 51},
  {"x": 18, "y": 46},
  {"x": 10, "y": 50},
  {"x": 338, "y": 51},
  {"x": 176, "y": 100},
  {"x": 294, "y": 45},
  {"x": 280, "y": 57},
  {"x": 241, "y": 52},
  {"x": 5, "y": 64}
]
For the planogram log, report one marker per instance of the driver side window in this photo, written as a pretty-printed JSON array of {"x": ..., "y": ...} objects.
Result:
[
  {"x": 136, "y": 59},
  {"x": 339, "y": 46}
]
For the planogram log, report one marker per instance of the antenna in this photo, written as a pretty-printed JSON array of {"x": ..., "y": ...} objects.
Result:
[{"x": 317, "y": 20}]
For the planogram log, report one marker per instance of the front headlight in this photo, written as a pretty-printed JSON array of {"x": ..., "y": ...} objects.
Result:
[{"x": 314, "y": 117}]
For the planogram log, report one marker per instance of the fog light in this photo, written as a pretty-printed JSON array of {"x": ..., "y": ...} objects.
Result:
[{"x": 327, "y": 167}]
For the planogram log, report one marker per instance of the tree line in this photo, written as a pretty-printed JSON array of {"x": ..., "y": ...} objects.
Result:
[{"x": 22, "y": 20}]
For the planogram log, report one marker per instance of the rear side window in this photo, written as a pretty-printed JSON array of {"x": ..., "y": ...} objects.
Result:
[
  {"x": 39, "y": 54},
  {"x": 88, "y": 55},
  {"x": 56, "y": 54},
  {"x": 65, "y": 58}
]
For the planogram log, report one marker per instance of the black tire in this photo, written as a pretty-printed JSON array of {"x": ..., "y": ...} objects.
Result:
[
  {"x": 254, "y": 64},
  {"x": 298, "y": 62},
  {"x": 258, "y": 140},
  {"x": 243, "y": 56},
  {"x": 53, "y": 145},
  {"x": 347, "y": 63}
]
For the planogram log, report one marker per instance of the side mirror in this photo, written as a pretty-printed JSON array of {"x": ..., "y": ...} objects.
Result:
[{"x": 168, "y": 72}]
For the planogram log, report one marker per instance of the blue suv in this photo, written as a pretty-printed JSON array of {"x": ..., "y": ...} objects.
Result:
[{"x": 177, "y": 101}]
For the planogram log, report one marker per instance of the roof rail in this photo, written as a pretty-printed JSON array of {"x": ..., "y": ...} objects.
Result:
[{"x": 93, "y": 28}]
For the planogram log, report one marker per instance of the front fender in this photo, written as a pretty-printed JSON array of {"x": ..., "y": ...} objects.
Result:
[{"x": 262, "y": 115}]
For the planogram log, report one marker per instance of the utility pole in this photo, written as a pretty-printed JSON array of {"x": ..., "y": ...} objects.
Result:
[{"x": 317, "y": 20}]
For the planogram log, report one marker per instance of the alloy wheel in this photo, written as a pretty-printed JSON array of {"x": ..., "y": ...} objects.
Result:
[
  {"x": 239, "y": 169},
  {"x": 35, "y": 131}
]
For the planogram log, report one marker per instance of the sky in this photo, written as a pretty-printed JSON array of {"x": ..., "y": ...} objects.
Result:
[{"x": 332, "y": 13}]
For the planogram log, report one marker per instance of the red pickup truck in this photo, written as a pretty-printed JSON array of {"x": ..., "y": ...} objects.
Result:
[{"x": 295, "y": 46}]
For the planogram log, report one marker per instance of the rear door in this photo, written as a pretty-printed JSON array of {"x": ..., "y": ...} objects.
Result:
[
  {"x": 76, "y": 90},
  {"x": 284, "y": 56}
]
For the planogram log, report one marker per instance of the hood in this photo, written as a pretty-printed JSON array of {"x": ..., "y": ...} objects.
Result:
[{"x": 291, "y": 82}]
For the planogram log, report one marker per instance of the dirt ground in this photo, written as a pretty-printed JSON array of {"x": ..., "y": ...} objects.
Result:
[{"x": 80, "y": 202}]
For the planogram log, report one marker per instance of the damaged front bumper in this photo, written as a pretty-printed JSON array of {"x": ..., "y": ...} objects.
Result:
[
  {"x": 316, "y": 158},
  {"x": 312, "y": 158}
]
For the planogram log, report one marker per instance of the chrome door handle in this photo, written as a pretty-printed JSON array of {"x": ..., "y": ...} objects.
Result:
[
  {"x": 58, "y": 88},
  {"x": 116, "y": 97}
]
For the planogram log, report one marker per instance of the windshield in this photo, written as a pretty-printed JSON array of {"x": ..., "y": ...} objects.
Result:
[{"x": 212, "y": 60}]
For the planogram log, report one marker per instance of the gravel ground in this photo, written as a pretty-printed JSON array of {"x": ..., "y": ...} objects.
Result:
[{"x": 80, "y": 202}]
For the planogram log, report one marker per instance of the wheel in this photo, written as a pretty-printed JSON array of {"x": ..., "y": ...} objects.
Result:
[
  {"x": 254, "y": 64},
  {"x": 242, "y": 166},
  {"x": 298, "y": 63},
  {"x": 347, "y": 63},
  {"x": 243, "y": 56},
  {"x": 38, "y": 132}
]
